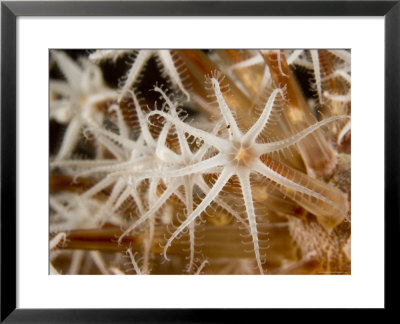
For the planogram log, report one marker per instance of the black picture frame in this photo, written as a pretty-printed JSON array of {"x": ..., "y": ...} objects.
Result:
[{"x": 10, "y": 11}]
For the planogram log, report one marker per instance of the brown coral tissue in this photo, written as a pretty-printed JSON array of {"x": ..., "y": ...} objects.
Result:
[{"x": 200, "y": 161}]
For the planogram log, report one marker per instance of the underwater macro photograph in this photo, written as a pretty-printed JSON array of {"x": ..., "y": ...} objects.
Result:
[{"x": 200, "y": 161}]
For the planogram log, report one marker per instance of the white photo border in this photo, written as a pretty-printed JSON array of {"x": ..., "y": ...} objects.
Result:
[{"x": 363, "y": 288}]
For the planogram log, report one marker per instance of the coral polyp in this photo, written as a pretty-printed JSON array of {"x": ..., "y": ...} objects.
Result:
[{"x": 201, "y": 162}]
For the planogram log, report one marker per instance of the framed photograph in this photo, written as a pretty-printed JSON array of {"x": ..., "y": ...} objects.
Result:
[{"x": 243, "y": 156}]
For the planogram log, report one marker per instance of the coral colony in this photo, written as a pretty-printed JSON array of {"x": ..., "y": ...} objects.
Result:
[{"x": 200, "y": 161}]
